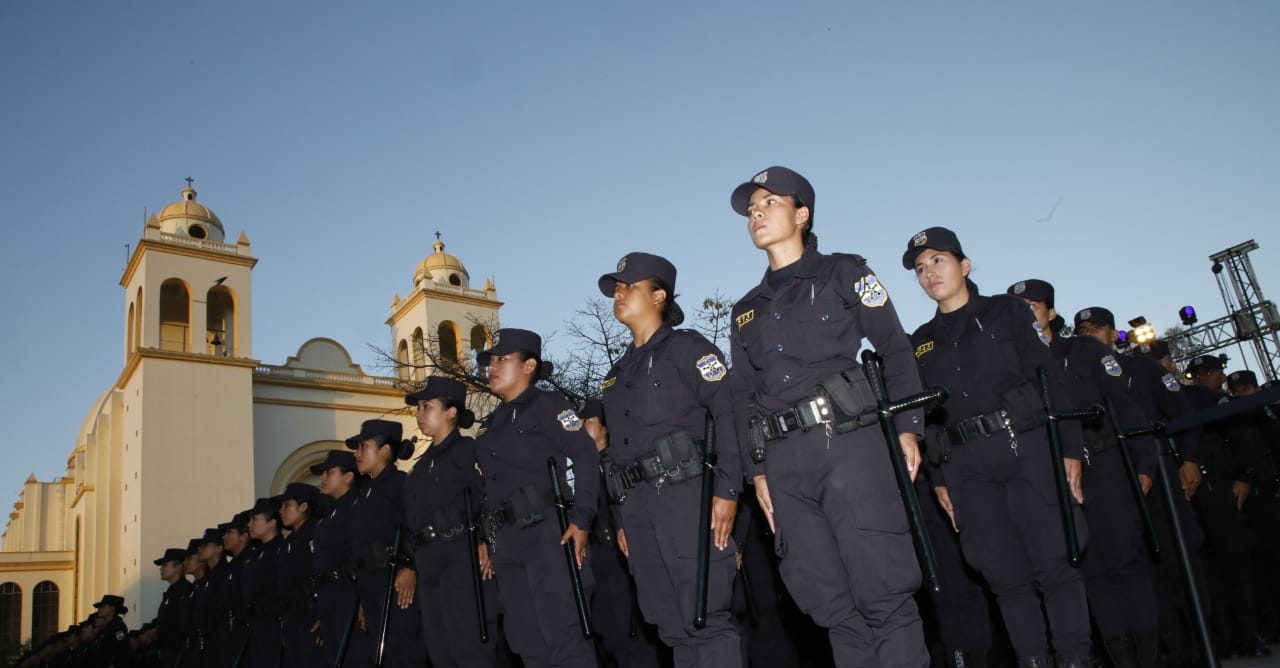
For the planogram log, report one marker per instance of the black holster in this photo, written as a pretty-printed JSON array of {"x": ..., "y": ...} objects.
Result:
[
  {"x": 1024, "y": 407},
  {"x": 937, "y": 445}
]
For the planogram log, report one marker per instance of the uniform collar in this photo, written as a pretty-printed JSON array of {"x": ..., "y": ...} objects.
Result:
[
  {"x": 806, "y": 267},
  {"x": 526, "y": 396},
  {"x": 656, "y": 340}
]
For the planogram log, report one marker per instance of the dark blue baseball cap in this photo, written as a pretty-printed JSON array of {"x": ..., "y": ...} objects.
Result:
[
  {"x": 507, "y": 341},
  {"x": 1095, "y": 315},
  {"x": 936, "y": 238},
  {"x": 269, "y": 506},
  {"x": 1243, "y": 377},
  {"x": 340, "y": 458},
  {"x": 386, "y": 431},
  {"x": 639, "y": 267},
  {"x": 1034, "y": 289},
  {"x": 172, "y": 554},
  {"x": 777, "y": 180},
  {"x": 593, "y": 408},
  {"x": 1205, "y": 363},
  {"x": 300, "y": 492},
  {"x": 193, "y": 545},
  {"x": 439, "y": 387}
]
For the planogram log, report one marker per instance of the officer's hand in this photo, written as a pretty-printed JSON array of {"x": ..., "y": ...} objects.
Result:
[
  {"x": 722, "y": 514},
  {"x": 911, "y": 452},
  {"x": 486, "y": 564},
  {"x": 1189, "y": 476},
  {"x": 1145, "y": 481},
  {"x": 360, "y": 617},
  {"x": 406, "y": 584},
  {"x": 737, "y": 560},
  {"x": 766, "y": 502},
  {"x": 1240, "y": 489},
  {"x": 579, "y": 538},
  {"x": 1073, "y": 478},
  {"x": 622, "y": 543},
  {"x": 944, "y": 500}
]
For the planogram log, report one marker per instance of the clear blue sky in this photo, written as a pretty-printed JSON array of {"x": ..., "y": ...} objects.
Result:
[{"x": 547, "y": 139}]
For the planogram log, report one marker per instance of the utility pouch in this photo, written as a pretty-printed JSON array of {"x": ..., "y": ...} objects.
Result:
[
  {"x": 615, "y": 480},
  {"x": 676, "y": 451},
  {"x": 1024, "y": 407},
  {"x": 850, "y": 395},
  {"x": 755, "y": 432},
  {"x": 937, "y": 445},
  {"x": 529, "y": 505}
]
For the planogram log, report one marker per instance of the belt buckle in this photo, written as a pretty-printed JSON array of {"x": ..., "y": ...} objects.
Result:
[{"x": 821, "y": 409}]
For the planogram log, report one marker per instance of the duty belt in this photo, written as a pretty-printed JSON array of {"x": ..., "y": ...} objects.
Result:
[
  {"x": 525, "y": 507},
  {"x": 651, "y": 468},
  {"x": 446, "y": 524},
  {"x": 805, "y": 415},
  {"x": 987, "y": 424}
]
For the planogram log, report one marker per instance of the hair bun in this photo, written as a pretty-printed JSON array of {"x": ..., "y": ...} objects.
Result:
[
  {"x": 405, "y": 450},
  {"x": 466, "y": 418},
  {"x": 545, "y": 368}
]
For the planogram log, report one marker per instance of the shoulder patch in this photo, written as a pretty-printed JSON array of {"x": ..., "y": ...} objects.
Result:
[
  {"x": 711, "y": 368},
  {"x": 569, "y": 420},
  {"x": 1171, "y": 383},
  {"x": 1112, "y": 366},
  {"x": 870, "y": 291},
  {"x": 608, "y": 383},
  {"x": 1044, "y": 338},
  {"x": 745, "y": 319},
  {"x": 924, "y": 348}
]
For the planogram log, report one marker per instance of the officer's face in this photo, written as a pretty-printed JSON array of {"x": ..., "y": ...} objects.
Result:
[
  {"x": 1213, "y": 378},
  {"x": 633, "y": 302},
  {"x": 170, "y": 570},
  {"x": 370, "y": 456},
  {"x": 1242, "y": 390},
  {"x": 259, "y": 527},
  {"x": 940, "y": 274},
  {"x": 334, "y": 482},
  {"x": 772, "y": 218},
  {"x": 1105, "y": 335},
  {"x": 508, "y": 372},
  {"x": 1044, "y": 315},
  {"x": 291, "y": 513},
  {"x": 596, "y": 430},
  {"x": 191, "y": 564},
  {"x": 434, "y": 419}
]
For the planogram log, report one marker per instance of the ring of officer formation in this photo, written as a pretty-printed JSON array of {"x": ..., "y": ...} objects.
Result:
[{"x": 1000, "y": 486}]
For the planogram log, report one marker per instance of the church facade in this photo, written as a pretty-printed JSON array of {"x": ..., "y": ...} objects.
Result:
[{"x": 194, "y": 427}]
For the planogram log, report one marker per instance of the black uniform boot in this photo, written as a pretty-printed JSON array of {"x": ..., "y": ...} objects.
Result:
[
  {"x": 1040, "y": 662},
  {"x": 1073, "y": 661},
  {"x": 1120, "y": 652},
  {"x": 1146, "y": 648}
]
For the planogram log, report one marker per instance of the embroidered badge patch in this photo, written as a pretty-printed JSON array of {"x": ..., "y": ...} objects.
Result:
[
  {"x": 569, "y": 420},
  {"x": 870, "y": 291},
  {"x": 745, "y": 319},
  {"x": 622, "y": 264},
  {"x": 711, "y": 368},
  {"x": 1019, "y": 288},
  {"x": 608, "y": 383},
  {"x": 924, "y": 348},
  {"x": 762, "y": 177},
  {"x": 497, "y": 341},
  {"x": 1084, "y": 315},
  {"x": 1111, "y": 365},
  {"x": 1044, "y": 338},
  {"x": 919, "y": 240},
  {"x": 1171, "y": 383}
]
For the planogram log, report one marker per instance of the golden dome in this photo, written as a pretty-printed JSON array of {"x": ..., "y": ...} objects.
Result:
[
  {"x": 189, "y": 218},
  {"x": 442, "y": 267}
]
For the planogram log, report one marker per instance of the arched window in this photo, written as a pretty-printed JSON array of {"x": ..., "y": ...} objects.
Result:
[
  {"x": 44, "y": 611},
  {"x": 419, "y": 355},
  {"x": 137, "y": 323},
  {"x": 402, "y": 360},
  {"x": 175, "y": 316},
  {"x": 479, "y": 338},
  {"x": 10, "y": 614},
  {"x": 130, "y": 343},
  {"x": 220, "y": 312},
  {"x": 448, "y": 335}
]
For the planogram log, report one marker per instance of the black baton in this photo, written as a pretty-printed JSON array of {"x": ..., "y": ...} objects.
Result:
[
  {"x": 873, "y": 367},
  {"x": 386, "y": 603},
  {"x": 345, "y": 641},
  {"x": 1065, "y": 511},
  {"x": 473, "y": 544},
  {"x": 571, "y": 560},
  {"x": 704, "y": 524},
  {"x": 1122, "y": 441}
]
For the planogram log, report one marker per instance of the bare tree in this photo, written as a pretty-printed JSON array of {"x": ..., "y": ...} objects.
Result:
[{"x": 712, "y": 319}]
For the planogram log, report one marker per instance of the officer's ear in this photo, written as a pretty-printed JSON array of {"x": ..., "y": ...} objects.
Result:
[
  {"x": 802, "y": 215},
  {"x": 530, "y": 366},
  {"x": 965, "y": 267}
]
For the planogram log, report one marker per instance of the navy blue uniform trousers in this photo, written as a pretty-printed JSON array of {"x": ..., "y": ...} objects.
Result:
[
  {"x": 612, "y": 609},
  {"x": 846, "y": 554},
  {"x": 447, "y": 601},
  {"x": 1010, "y": 530},
  {"x": 962, "y": 611}
]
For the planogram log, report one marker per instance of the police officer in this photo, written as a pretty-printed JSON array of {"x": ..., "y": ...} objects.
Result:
[
  {"x": 658, "y": 397},
  {"x": 1117, "y": 570},
  {"x": 1155, "y": 388},
  {"x": 169, "y": 618},
  {"x": 1263, "y": 507},
  {"x": 997, "y": 480},
  {"x": 195, "y": 609},
  {"x": 378, "y": 517},
  {"x": 112, "y": 641},
  {"x": 1228, "y": 462},
  {"x": 828, "y": 492},
  {"x": 336, "y": 596},
  {"x": 262, "y": 586},
  {"x": 227, "y": 582},
  {"x": 436, "y": 519},
  {"x": 299, "y": 512},
  {"x": 528, "y": 427}
]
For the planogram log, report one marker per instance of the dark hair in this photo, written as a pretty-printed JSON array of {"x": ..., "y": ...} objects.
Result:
[
  {"x": 466, "y": 417},
  {"x": 672, "y": 314},
  {"x": 540, "y": 372},
  {"x": 1057, "y": 324}
]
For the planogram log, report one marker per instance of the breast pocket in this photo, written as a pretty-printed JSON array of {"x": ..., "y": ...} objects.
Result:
[
  {"x": 820, "y": 329},
  {"x": 992, "y": 348}
]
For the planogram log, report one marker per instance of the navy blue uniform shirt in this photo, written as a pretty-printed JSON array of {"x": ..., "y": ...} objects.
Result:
[
  {"x": 332, "y": 532},
  {"x": 1159, "y": 394},
  {"x": 518, "y": 438},
  {"x": 377, "y": 510},
  {"x": 1093, "y": 373},
  {"x": 804, "y": 323},
  {"x": 984, "y": 348},
  {"x": 670, "y": 384},
  {"x": 438, "y": 478}
]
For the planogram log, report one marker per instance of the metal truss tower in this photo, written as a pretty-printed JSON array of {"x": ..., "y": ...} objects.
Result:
[{"x": 1251, "y": 318}]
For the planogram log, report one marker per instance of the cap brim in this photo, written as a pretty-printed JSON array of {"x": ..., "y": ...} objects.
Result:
[
  {"x": 420, "y": 395},
  {"x": 608, "y": 282},
  {"x": 319, "y": 469},
  {"x": 741, "y": 197},
  {"x": 482, "y": 357}
]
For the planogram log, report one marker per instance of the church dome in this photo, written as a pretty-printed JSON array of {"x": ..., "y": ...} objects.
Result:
[
  {"x": 189, "y": 218},
  {"x": 442, "y": 268}
]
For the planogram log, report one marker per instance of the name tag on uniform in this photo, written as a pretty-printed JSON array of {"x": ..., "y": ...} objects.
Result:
[
  {"x": 923, "y": 348},
  {"x": 745, "y": 319}
]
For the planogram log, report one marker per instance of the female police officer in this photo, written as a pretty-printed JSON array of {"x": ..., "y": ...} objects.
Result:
[
  {"x": 985, "y": 351},
  {"x": 656, "y": 399},
  {"x": 527, "y": 428},
  {"x": 1117, "y": 573},
  {"x": 829, "y": 493},
  {"x": 435, "y": 513}
]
